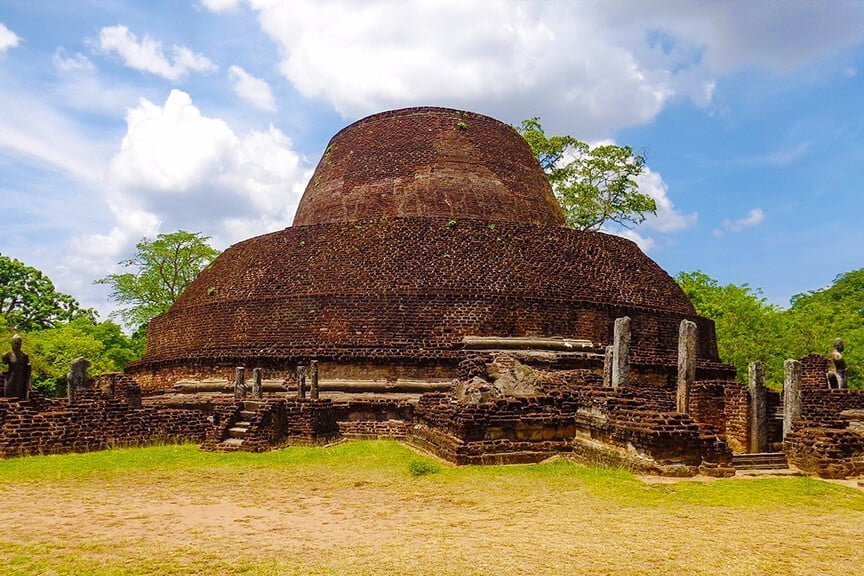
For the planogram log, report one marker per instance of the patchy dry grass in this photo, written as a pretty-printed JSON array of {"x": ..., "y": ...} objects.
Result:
[{"x": 362, "y": 508}]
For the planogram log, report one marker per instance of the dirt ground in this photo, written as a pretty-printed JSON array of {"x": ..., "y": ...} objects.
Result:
[{"x": 311, "y": 520}]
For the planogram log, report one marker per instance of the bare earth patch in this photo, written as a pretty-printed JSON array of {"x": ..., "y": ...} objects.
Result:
[{"x": 347, "y": 514}]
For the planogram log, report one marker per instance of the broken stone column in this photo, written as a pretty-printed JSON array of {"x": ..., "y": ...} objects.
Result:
[
  {"x": 621, "y": 352},
  {"x": 257, "y": 384},
  {"x": 76, "y": 378},
  {"x": 758, "y": 408},
  {"x": 313, "y": 392},
  {"x": 791, "y": 394},
  {"x": 607, "y": 366},
  {"x": 686, "y": 364},
  {"x": 301, "y": 381},
  {"x": 240, "y": 384}
]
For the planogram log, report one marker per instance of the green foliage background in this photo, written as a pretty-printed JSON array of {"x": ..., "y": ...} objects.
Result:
[
  {"x": 52, "y": 350},
  {"x": 749, "y": 328}
]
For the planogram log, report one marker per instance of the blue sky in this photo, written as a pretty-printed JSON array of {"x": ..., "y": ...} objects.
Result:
[{"x": 120, "y": 120}]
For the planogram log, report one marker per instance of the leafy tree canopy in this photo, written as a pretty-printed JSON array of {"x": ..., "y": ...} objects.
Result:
[
  {"x": 749, "y": 328},
  {"x": 52, "y": 350},
  {"x": 594, "y": 185},
  {"x": 29, "y": 301},
  {"x": 159, "y": 272}
]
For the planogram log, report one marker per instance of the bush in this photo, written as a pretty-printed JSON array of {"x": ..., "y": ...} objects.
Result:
[{"x": 419, "y": 468}]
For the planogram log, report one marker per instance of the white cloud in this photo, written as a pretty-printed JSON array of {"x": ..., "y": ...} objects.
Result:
[
  {"x": 587, "y": 68},
  {"x": 148, "y": 55},
  {"x": 177, "y": 167},
  {"x": 75, "y": 63},
  {"x": 219, "y": 5},
  {"x": 8, "y": 39},
  {"x": 668, "y": 218},
  {"x": 753, "y": 218},
  {"x": 251, "y": 89}
]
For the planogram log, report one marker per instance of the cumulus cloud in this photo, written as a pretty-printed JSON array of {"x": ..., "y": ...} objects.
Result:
[
  {"x": 590, "y": 68},
  {"x": 8, "y": 39},
  {"x": 753, "y": 218},
  {"x": 147, "y": 54},
  {"x": 251, "y": 89},
  {"x": 178, "y": 168},
  {"x": 668, "y": 218}
]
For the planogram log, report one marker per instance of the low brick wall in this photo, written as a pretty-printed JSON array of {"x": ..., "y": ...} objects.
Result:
[
  {"x": 827, "y": 452},
  {"x": 94, "y": 422}
]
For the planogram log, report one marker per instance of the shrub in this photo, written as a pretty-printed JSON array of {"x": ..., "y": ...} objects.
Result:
[{"x": 419, "y": 468}]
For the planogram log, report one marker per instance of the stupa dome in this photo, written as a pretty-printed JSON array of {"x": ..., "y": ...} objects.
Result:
[
  {"x": 419, "y": 228},
  {"x": 431, "y": 162}
]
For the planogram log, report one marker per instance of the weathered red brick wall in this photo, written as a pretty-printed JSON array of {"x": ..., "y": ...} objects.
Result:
[
  {"x": 708, "y": 403},
  {"x": 737, "y": 415},
  {"x": 95, "y": 421},
  {"x": 476, "y": 433},
  {"x": 408, "y": 290},
  {"x": 813, "y": 371},
  {"x": 828, "y": 452},
  {"x": 428, "y": 162}
]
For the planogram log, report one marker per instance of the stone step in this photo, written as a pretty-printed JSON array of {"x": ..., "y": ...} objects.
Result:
[
  {"x": 237, "y": 433},
  {"x": 760, "y": 461},
  {"x": 229, "y": 445},
  {"x": 242, "y": 424},
  {"x": 247, "y": 414},
  {"x": 252, "y": 406}
]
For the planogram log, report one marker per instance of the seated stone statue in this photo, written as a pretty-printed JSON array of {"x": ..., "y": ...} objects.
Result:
[
  {"x": 836, "y": 366},
  {"x": 16, "y": 383}
]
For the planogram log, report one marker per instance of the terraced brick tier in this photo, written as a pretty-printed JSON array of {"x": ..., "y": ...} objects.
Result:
[{"x": 410, "y": 289}]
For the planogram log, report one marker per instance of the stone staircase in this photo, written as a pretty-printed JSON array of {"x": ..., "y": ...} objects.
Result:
[
  {"x": 760, "y": 461},
  {"x": 239, "y": 428}
]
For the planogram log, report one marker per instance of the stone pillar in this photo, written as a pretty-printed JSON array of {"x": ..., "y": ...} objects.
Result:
[
  {"x": 257, "y": 384},
  {"x": 313, "y": 391},
  {"x": 240, "y": 384},
  {"x": 758, "y": 408},
  {"x": 686, "y": 364},
  {"x": 621, "y": 352},
  {"x": 301, "y": 381},
  {"x": 791, "y": 395},
  {"x": 607, "y": 366}
]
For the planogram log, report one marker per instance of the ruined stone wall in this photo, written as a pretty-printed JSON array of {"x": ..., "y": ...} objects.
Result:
[
  {"x": 736, "y": 413},
  {"x": 374, "y": 418},
  {"x": 821, "y": 407},
  {"x": 708, "y": 403},
  {"x": 813, "y": 372},
  {"x": 590, "y": 420},
  {"x": 827, "y": 452},
  {"x": 93, "y": 422}
]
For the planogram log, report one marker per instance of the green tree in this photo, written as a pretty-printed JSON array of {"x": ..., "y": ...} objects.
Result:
[
  {"x": 52, "y": 351},
  {"x": 816, "y": 318},
  {"x": 29, "y": 301},
  {"x": 160, "y": 270},
  {"x": 748, "y": 327},
  {"x": 594, "y": 185}
]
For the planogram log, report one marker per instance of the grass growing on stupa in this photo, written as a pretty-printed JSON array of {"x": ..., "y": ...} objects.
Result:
[{"x": 380, "y": 508}]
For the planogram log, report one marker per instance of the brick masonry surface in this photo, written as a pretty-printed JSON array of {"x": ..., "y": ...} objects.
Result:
[
  {"x": 428, "y": 162},
  {"x": 408, "y": 290},
  {"x": 98, "y": 419}
]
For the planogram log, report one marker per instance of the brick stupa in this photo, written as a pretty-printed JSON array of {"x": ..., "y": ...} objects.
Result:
[{"x": 422, "y": 231}]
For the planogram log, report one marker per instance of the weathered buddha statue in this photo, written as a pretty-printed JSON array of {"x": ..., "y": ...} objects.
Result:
[
  {"x": 837, "y": 366},
  {"x": 16, "y": 383}
]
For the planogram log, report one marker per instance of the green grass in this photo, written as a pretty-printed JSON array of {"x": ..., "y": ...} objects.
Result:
[{"x": 378, "y": 507}]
